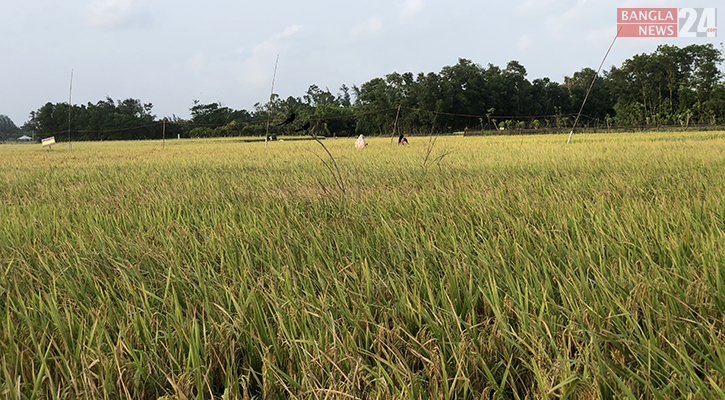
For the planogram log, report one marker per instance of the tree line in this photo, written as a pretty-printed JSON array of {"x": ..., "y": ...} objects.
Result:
[{"x": 671, "y": 86}]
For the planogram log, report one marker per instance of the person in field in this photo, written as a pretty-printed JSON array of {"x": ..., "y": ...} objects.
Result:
[
  {"x": 360, "y": 142},
  {"x": 402, "y": 140}
]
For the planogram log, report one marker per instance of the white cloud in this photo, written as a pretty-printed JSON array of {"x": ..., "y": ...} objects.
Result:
[
  {"x": 373, "y": 25},
  {"x": 257, "y": 69},
  {"x": 117, "y": 14},
  {"x": 648, "y": 3},
  {"x": 582, "y": 10},
  {"x": 410, "y": 7},
  {"x": 603, "y": 36},
  {"x": 535, "y": 7},
  {"x": 524, "y": 43},
  {"x": 289, "y": 31}
]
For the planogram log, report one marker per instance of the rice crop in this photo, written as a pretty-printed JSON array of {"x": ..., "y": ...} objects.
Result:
[{"x": 508, "y": 267}]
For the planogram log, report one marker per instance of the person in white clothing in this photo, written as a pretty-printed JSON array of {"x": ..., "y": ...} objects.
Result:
[{"x": 360, "y": 142}]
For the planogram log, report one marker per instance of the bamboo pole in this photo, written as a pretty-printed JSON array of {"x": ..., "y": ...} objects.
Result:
[
  {"x": 274, "y": 76},
  {"x": 70, "y": 105},
  {"x": 395, "y": 126},
  {"x": 591, "y": 86}
]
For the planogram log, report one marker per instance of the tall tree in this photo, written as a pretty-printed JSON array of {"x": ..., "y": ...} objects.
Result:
[{"x": 670, "y": 85}]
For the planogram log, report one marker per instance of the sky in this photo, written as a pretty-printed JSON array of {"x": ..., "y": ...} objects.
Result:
[{"x": 170, "y": 53}]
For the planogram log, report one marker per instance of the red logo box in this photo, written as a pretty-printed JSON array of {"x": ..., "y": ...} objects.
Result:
[{"x": 647, "y": 22}]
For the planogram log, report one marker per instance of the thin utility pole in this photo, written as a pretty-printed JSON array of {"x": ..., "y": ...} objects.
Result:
[
  {"x": 274, "y": 76},
  {"x": 70, "y": 104},
  {"x": 163, "y": 136}
]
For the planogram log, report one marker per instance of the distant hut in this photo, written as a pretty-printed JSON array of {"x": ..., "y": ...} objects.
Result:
[{"x": 24, "y": 138}]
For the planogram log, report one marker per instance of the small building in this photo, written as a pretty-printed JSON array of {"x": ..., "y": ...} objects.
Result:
[{"x": 25, "y": 138}]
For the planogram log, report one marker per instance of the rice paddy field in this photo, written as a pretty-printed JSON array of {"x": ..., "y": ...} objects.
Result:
[{"x": 508, "y": 267}]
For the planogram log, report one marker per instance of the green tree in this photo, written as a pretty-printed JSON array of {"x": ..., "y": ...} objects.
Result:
[
  {"x": 106, "y": 120},
  {"x": 213, "y": 114},
  {"x": 316, "y": 96},
  {"x": 659, "y": 87},
  {"x": 377, "y": 94},
  {"x": 8, "y": 129}
]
